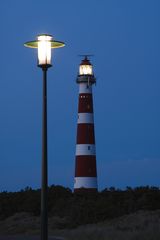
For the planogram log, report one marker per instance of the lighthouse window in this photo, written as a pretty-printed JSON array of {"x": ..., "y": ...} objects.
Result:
[{"x": 89, "y": 147}]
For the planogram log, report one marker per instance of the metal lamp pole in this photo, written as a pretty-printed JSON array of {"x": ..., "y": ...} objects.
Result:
[
  {"x": 44, "y": 44},
  {"x": 44, "y": 183}
]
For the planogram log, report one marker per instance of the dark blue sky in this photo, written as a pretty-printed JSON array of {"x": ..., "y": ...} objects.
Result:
[{"x": 124, "y": 37}]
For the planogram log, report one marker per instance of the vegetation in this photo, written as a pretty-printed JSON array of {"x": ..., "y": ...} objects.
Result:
[{"x": 77, "y": 209}]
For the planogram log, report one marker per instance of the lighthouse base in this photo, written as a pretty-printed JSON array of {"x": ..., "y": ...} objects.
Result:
[{"x": 88, "y": 184}]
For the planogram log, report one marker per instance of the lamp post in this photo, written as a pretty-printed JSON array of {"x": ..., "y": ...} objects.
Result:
[{"x": 44, "y": 44}]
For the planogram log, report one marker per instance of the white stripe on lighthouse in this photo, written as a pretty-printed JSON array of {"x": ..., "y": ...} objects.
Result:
[
  {"x": 85, "y": 149},
  {"x": 85, "y": 118},
  {"x": 84, "y": 88},
  {"x": 85, "y": 182}
]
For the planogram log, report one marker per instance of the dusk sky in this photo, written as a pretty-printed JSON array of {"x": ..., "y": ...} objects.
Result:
[{"x": 124, "y": 37}]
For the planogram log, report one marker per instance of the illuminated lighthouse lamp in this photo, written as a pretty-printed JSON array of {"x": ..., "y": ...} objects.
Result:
[
  {"x": 44, "y": 44},
  {"x": 85, "y": 67},
  {"x": 86, "y": 72}
]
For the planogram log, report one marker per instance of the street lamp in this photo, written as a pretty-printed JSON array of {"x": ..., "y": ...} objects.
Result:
[{"x": 44, "y": 44}]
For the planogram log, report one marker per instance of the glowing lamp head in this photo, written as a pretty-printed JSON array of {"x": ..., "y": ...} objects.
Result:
[
  {"x": 44, "y": 49},
  {"x": 44, "y": 44},
  {"x": 85, "y": 67}
]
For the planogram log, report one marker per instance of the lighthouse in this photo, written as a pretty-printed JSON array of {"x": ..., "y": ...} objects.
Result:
[{"x": 85, "y": 159}]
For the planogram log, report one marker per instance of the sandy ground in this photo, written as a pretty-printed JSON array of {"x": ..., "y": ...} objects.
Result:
[{"x": 142, "y": 225}]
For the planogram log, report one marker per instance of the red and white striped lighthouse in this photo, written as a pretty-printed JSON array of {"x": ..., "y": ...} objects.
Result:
[{"x": 85, "y": 166}]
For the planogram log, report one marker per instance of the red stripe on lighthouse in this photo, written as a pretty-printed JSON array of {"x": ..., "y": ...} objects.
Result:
[
  {"x": 85, "y": 103},
  {"x": 85, "y": 133},
  {"x": 85, "y": 166}
]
